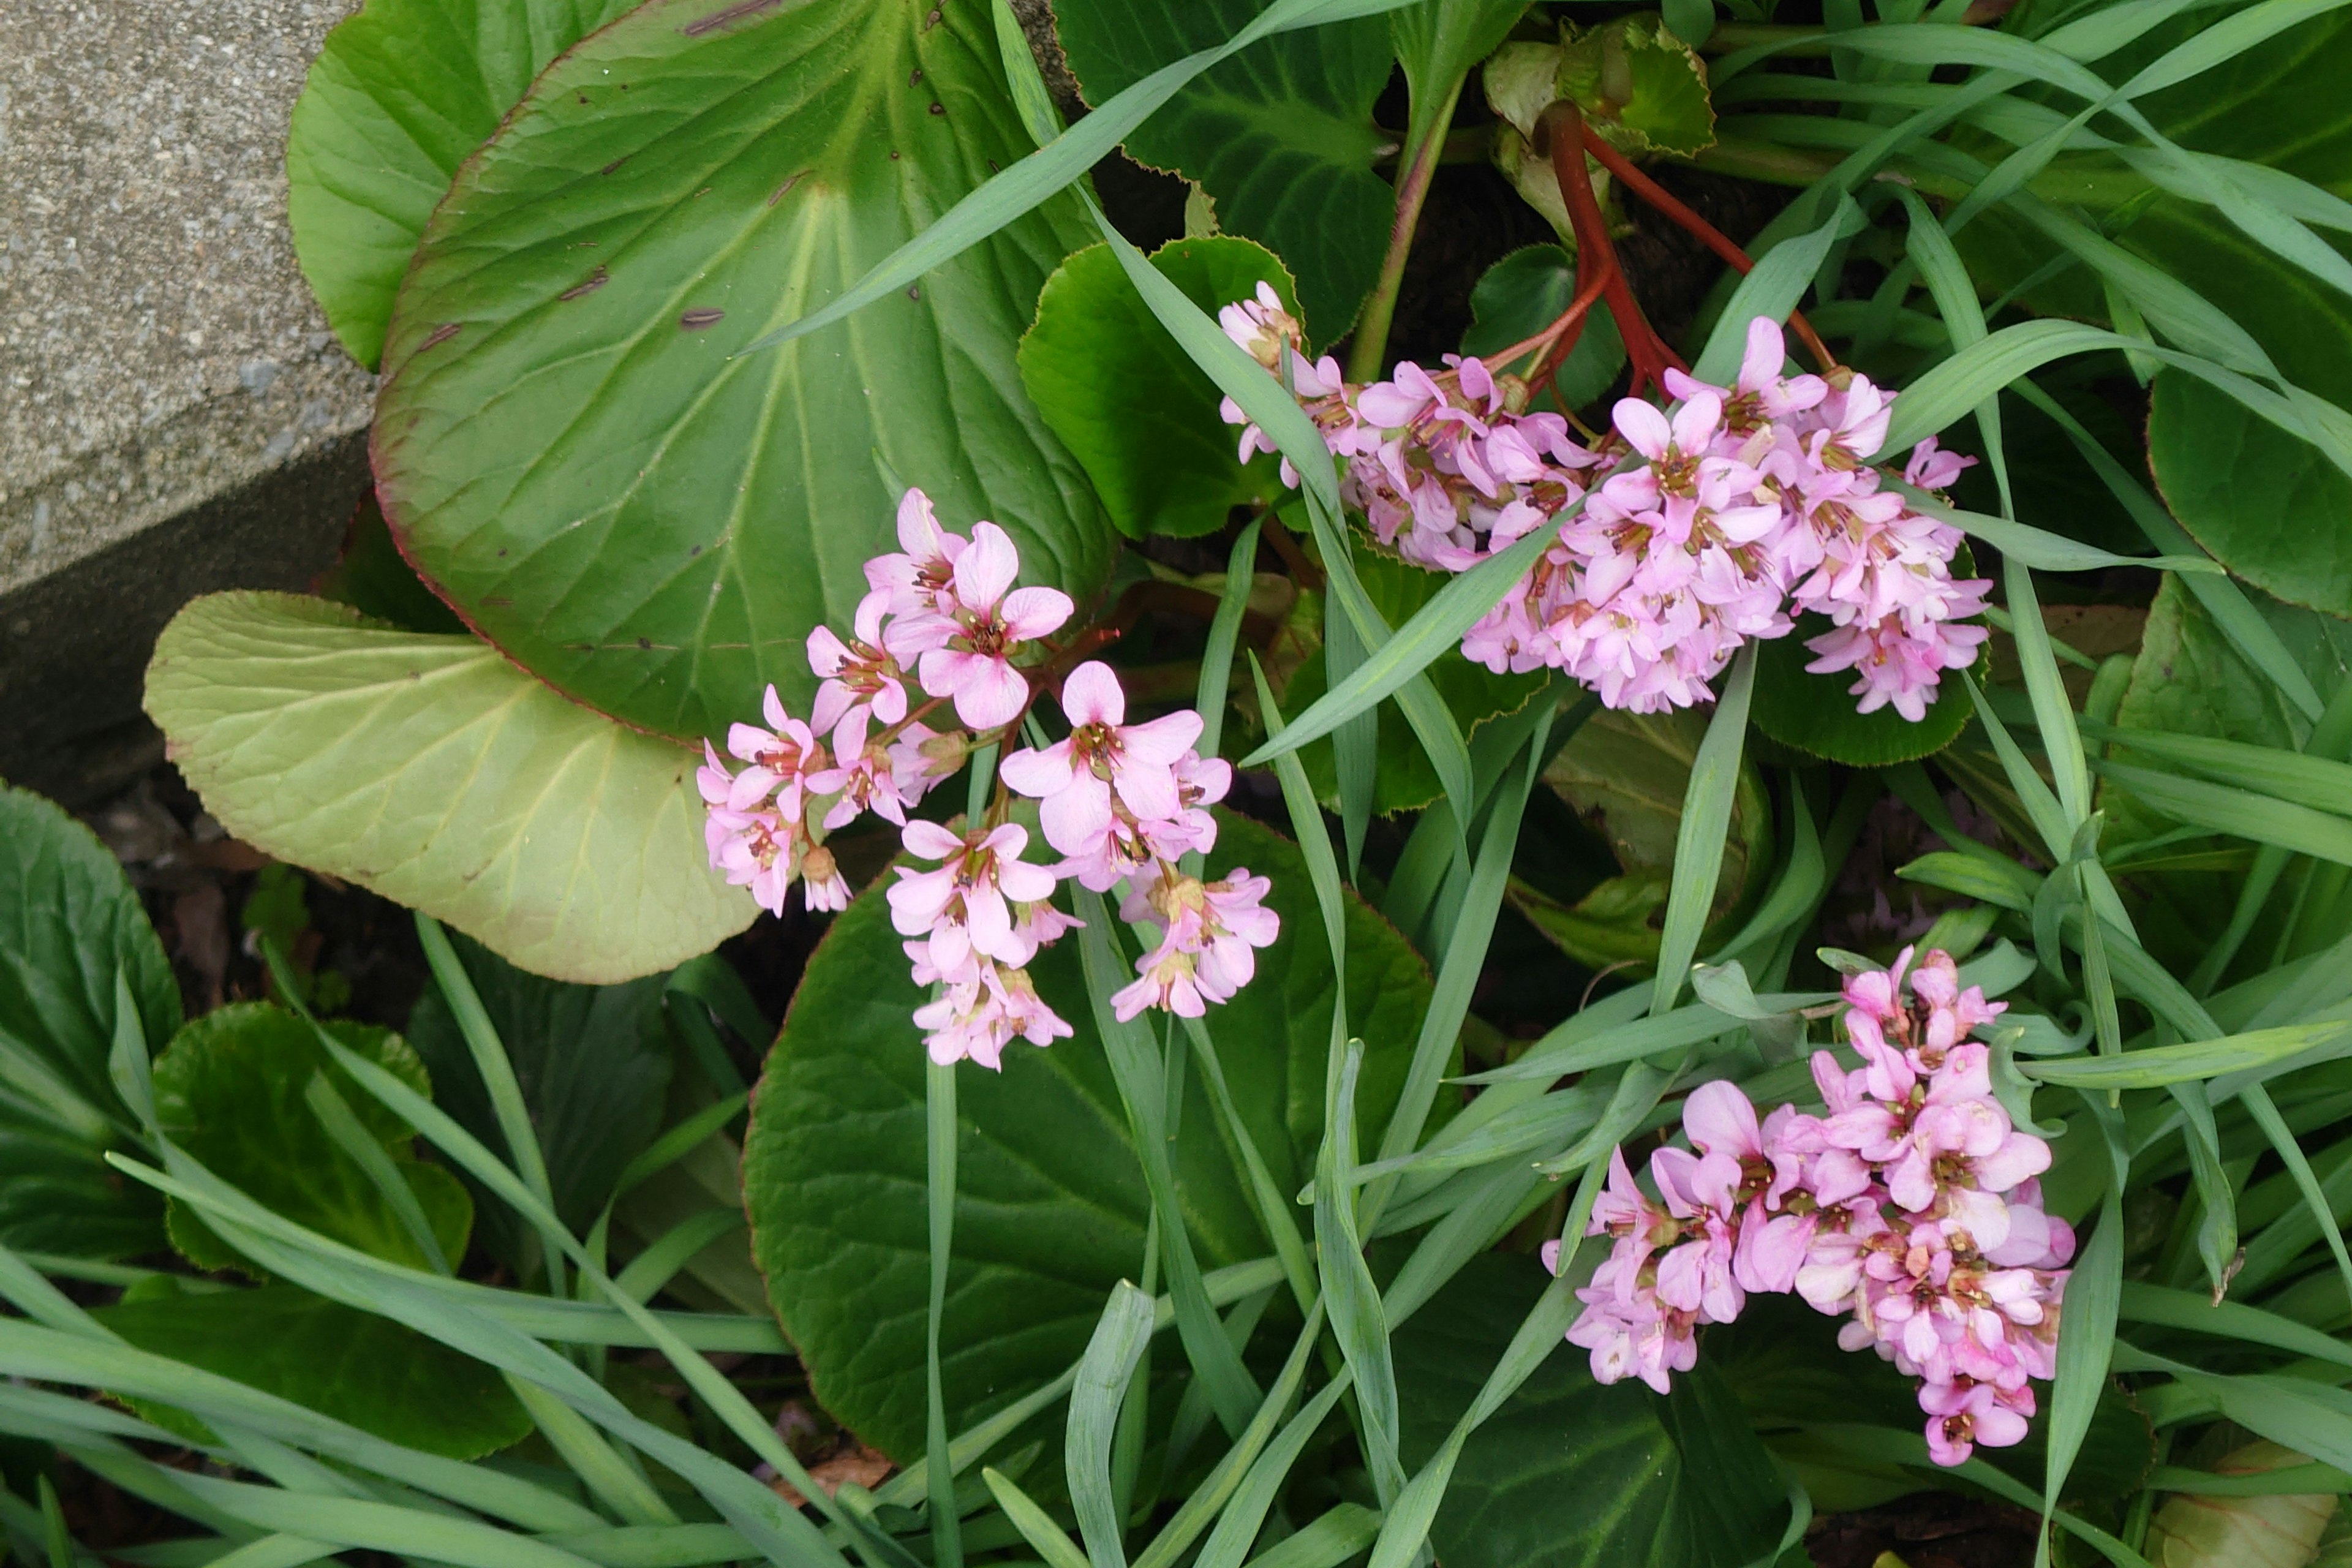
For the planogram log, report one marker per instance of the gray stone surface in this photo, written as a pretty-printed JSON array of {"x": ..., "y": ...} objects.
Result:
[{"x": 175, "y": 416}]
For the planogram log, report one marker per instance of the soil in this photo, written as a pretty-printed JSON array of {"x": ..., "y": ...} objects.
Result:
[{"x": 1926, "y": 1529}]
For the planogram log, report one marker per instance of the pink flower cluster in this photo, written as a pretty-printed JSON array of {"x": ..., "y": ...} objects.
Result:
[
  {"x": 1698, "y": 530},
  {"x": 1120, "y": 802},
  {"x": 1910, "y": 1205}
]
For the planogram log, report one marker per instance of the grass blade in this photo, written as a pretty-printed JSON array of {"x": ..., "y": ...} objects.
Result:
[
  {"x": 1705, "y": 829},
  {"x": 1120, "y": 1336}
]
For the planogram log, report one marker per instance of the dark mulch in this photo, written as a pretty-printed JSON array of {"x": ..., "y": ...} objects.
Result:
[{"x": 1928, "y": 1530}]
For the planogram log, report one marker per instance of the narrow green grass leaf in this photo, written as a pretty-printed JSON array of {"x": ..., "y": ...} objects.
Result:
[
  {"x": 1136, "y": 1067},
  {"x": 2158, "y": 1066},
  {"x": 610, "y": 1479},
  {"x": 497, "y": 1079},
  {"x": 1307, "y": 827},
  {"x": 368, "y": 1152},
  {"x": 1350, "y": 1292},
  {"x": 2086, "y": 1334},
  {"x": 1339, "y": 1533},
  {"x": 1404, "y": 1532},
  {"x": 1435, "y": 631},
  {"x": 1458, "y": 974},
  {"x": 2242, "y": 814},
  {"x": 1199, "y": 1510},
  {"x": 940, "y": 1112},
  {"x": 1035, "y": 1525},
  {"x": 659, "y": 1264},
  {"x": 2266, "y": 1116},
  {"x": 1224, "y": 633},
  {"x": 1274, "y": 1212},
  {"x": 1104, "y": 1373},
  {"x": 1700, "y": 836},
  {"x": 1772, "y": 289},
  {"x": 1238, "y": 1527}
]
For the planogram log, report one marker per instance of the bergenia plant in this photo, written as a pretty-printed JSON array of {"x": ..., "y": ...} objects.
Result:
[{"x": 1656, "y": 717}]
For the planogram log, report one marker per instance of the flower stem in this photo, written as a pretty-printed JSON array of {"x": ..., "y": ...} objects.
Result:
[
  {"x": 1424, "y": 148},
  {"x": 1596, "y": 257},
  {"x": 1632, "y": 177}
]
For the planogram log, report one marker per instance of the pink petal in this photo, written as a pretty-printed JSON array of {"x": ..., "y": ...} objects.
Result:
[
  {"x": 1038, "y": 774},
  {"x": 986, "y": 568},
  {"x": 1092, "y": 695},
  {"x": 1643, "y": 428},
  {"x": 989, "y": 692},
  {"x": 930, "y": 841},
  {"x": 1034, "y": 612},
  {"x": 1720, "y": 1119},
  {"x": 1164, "y": 738},
  {"x": 1077, "y": 817}
]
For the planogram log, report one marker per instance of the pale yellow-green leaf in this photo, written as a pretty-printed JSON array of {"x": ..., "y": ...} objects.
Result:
[
  {"x": 2211, "y": 1531},
  {"x": 430, "y": 770}
]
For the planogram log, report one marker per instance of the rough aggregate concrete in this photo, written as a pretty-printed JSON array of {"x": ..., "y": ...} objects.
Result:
[{"x": 175, "y": 415}]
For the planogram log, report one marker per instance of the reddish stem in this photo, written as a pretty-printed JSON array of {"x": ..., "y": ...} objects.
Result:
[
  {"x": 1596, "y": 257},
  {"x": 1631, "y": 176}
]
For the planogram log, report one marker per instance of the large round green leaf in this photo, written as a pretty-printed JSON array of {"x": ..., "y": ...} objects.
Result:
[
  {"x": 1817, "y": 713},
  {"x": 1050, "y": 1199},
  {"x": 1138, "y": 412},
  {"x": 232, "y": 1090},
  {"x": 1568, "y": 1471},
  {"x": 70, "y": 925},
  {"x": 431, "y": 770},
  {"x": 378, "y": 1376},
  {"x": 567, "y": 444},
  {"x": 1281, "y": 135},
  {"x": 402, "y": 91}
]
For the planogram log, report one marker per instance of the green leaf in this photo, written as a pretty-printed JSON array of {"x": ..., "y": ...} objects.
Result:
[
  {"x": 70, "y": 924},
  {"x": 1403, "y": 778},
  {"x": 230, "y": 1090},
  {"x": 1281, "y": 136},
  {"x": 371, "y": 578},
  {"x": 2231, "y": 477},
  {"x": 363, "y": 1369},
  {"x": 1626, "y": 773},
  {"x": 1569, "y": 1470},
  {"x": 2221, "y": 1531},
  {"x": 594, "y": 1063},
  {"x": 1134, "y": 409},
  {"x": 1525, "y": 292},
  {"x": 400, "y": 93},
  {"x": 564, "y": 445},
  {"x": 430, "y": 770},
  {"x": 1816, "y": 714},
  {"x": 1783, "y": 1361},
  {"x": 1640, "y": 86},
  {"x": 1050, "y": 1197}
]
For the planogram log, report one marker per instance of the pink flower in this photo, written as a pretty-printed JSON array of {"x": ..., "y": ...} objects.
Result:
[
  {"x": 916, "y": 580},
  {"x": 1962, "y": 1415},
  {"x": 983, "y": 625},
  {"x": 823, "y": 886},
  {"x": 977, "y": 1017},
  {"x": 1073, "y": 779},
  {"x": 755, "y": 850},
  {"x": 1933, "y": 468},
  {"x": 782, "y": 756},
  {"x": 1208, "y": 950},
  {"x": 860, "y": 678},
  {"x": 961, "y": 905}
]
